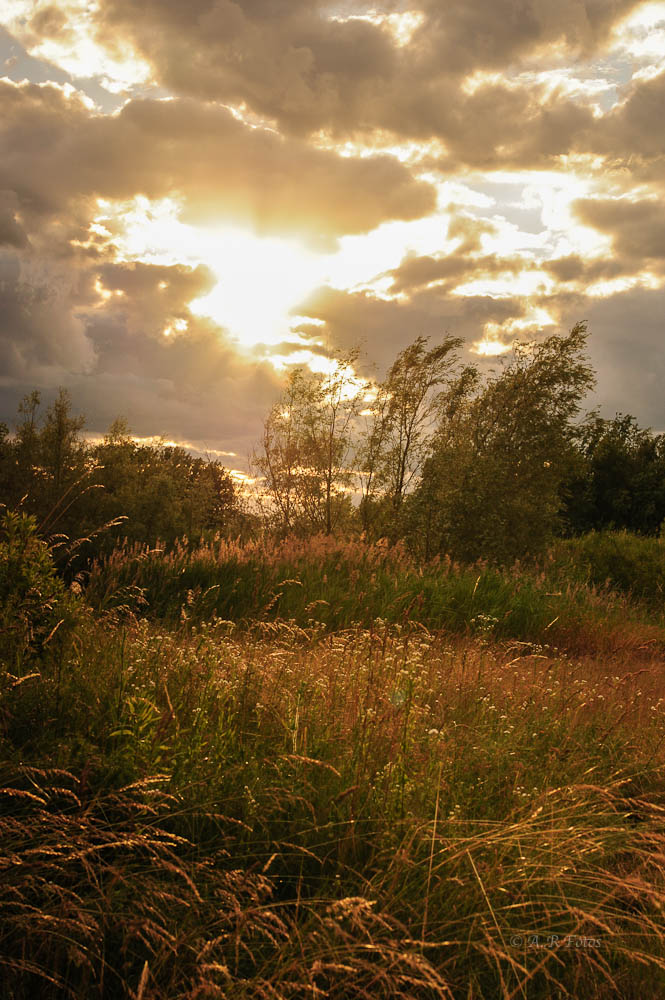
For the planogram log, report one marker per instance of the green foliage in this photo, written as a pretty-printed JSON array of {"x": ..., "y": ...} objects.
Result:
[
  {"x": 320, "y": 766},
  {"x": 35, "y": 609},
  {"x": 44, "y": 464},
  {"x": 618, "y": 480},
  {"x": 626, "y": 562},
  {"x": 491, "y": 487},
  {"x": 402, "y": 418},
  {"x": 61, "y": 448},
  {"x": 334, "y": 585},
  {"x": 77, "y": 490},
  {"x": 162, "y": 491},
  {"x": 303, "y": 458}
]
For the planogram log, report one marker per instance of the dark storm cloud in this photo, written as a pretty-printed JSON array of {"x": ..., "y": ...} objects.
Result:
[
  {"x": 626, "y": 336},
  {"x": 11, "y": 231},
  {"x": 416, "y": 273},
  {"x": 626, "y": 347},
  {"x": 55, "y": 152},
  {"x": 151, "y": 295},
  {"x": 57, "y": 328},
  {"x": 632, "y": 132},
  {"x": 193, "y": 385},
  {"x": 574, "y": 268},
  {"x": 296, "y": 66},
  {"x": 41, "y": 335},
  {"x": 491, "y": 34}
]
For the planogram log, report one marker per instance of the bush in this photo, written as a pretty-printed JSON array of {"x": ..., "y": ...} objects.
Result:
[
  {"x": 626, "y": 562},
  {"x": 35, "y": 606}
]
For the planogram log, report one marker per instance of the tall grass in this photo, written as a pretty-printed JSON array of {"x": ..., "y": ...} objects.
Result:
[
  {"x": 343, "y": 584},
  {"x": 289, "y": 812}
]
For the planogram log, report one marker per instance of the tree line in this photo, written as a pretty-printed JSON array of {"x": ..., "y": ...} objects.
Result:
[
  {"x": 116, "y": 487},
  {"x": 451, "y": 461},
  {"x": 456, "y": 462}
]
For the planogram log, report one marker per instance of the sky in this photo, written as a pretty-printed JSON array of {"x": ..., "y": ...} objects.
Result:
[{"x": 194, "y": 196}]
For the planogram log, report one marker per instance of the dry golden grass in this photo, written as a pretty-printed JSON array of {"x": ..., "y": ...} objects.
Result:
[{"x": 374, "y": 812}]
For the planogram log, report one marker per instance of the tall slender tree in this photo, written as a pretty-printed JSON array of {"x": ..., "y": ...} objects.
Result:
[
  {"x": 305, "y": 451},
  {"x": 403, "y": 417}
]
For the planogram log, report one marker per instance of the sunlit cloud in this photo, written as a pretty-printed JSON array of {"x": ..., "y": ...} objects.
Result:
[
  {"x": 259, "y": 279},
  {"x": 486, "y": 348},
  {"x": 401, "y": 25},
  {"x": 604, "y": 289},
  {"x": 253, "y": 182},
  {"x": 379, "y": 141},
  {"x": 642, "y": 35},
  {"x": 65, "y": 34},
  {"x": 526, "y": 283}
]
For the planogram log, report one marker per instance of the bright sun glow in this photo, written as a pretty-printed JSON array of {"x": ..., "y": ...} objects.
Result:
[
  {"x": 489, "y": 348},
  {"x": 259, "y": 280}
]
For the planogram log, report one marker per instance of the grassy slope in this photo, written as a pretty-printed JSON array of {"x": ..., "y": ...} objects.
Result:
[{"x": 333, "y": 809}]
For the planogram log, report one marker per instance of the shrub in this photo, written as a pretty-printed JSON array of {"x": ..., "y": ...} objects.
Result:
[
  {"x": 626, "y": 562},
  {"x": 35, "y": 606}
]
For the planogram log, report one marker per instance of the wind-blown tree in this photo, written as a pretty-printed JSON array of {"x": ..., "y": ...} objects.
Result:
[
  {"x": 305, "y": 451},
  {"x": 63, "y": 455},
  {"x": 27, "y": 438},
  {"x": 491, "y": 486},
  {"x": 329, "y": 437},
  {"x": 402, "y": 419},
  {"x": 279, "y": 460}
]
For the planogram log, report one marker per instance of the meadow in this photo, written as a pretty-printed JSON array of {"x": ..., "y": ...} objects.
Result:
[{"x": 317, "y": 769}]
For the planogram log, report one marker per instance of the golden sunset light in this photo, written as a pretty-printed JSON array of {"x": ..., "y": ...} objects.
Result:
[
  {"x": 375, "y": 173},
  {"x": 332, "y": 499}
]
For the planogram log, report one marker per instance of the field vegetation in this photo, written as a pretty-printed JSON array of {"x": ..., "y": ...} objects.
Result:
[
  {"x": 288, "y": 799},
  {"x": 329, "y": 751}
]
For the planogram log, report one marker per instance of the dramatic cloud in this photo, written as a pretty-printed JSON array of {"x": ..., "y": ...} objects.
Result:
[
  {"x": 383, "y": 327},
  {"x": 628, "y": 353},
  {"x": 302, "y": 66},
  {"x": 130, "y": 346},
  {"x": 637, "y": 228},
  {"x": 630, "y": 132},
  {"x": 194, "y": 196},
  {"x": 11, "y": 232},
  {"x": 41, "y": 337},
  {"x": 222, "y": 168}
]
